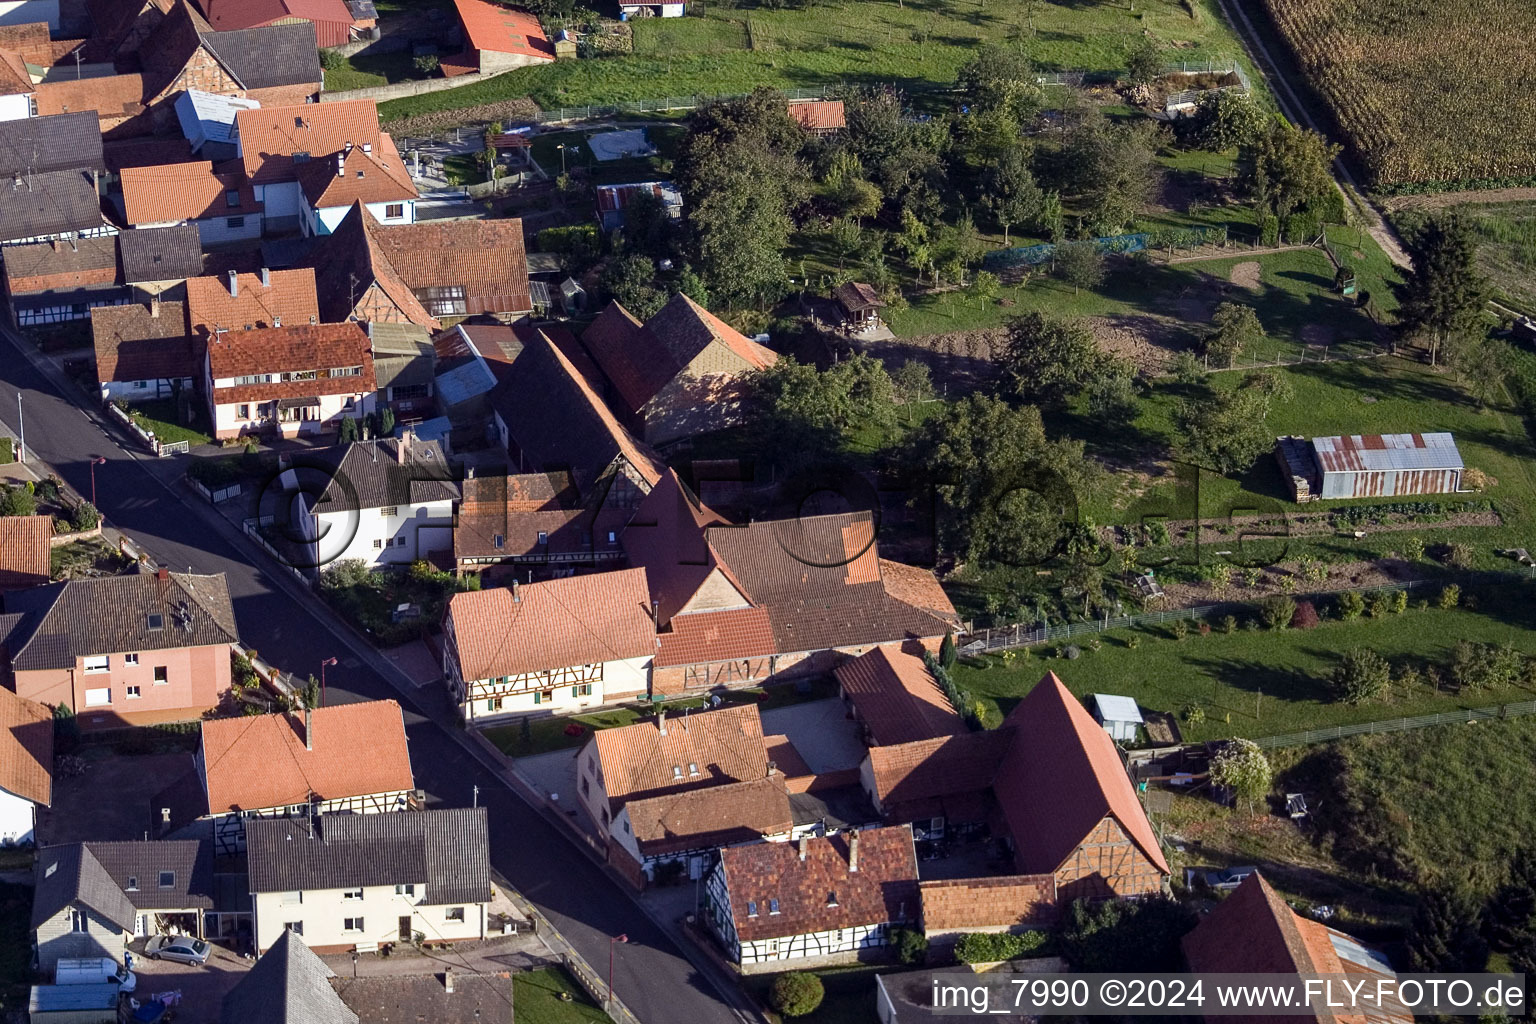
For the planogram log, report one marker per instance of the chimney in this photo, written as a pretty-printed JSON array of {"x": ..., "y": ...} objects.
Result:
[
  {"x": 266, "y": 277},
  {"x": 448, "y": 980},
  {"x": 341, "y": 164},
  {"x": 655, "y": 613},
  {"x": 154, "y": 306},
  {"x": 403, "y": 448},
  {"x": 234, "y": 284},
  {"x": 162, "y": 574},
  {"x": 805, "y": 842},
  {"x": 516, "y": 597},
  {"x": 661, "y": 719},
  {"x": 309, "y": 729},
  {"x": 165, "y": 817},
  {"x": 853, "y": 850}
]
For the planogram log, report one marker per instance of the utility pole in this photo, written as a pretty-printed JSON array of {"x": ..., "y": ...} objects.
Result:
[{"x": 21, "y": 424}]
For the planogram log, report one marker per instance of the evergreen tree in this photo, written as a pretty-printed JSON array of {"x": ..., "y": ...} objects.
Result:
[
  {"x": 346, "y": 432},
  {"x": 1509, "y": 921},
  {"x": 1443, "y": 295},
  {"x": 947, "y": 655},
  {"x": 1444, "y": 935}
]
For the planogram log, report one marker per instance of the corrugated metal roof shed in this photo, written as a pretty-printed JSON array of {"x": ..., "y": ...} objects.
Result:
[
  {"x": 1114, "y": 708},
  {"x": 1385, "y": 452}
]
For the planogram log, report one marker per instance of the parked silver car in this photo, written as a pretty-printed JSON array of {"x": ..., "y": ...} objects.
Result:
[{"x": 181, "y": 948}]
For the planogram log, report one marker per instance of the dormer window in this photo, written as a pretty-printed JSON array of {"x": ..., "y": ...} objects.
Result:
[
  {"x": 677, "y": 773},
  {"x": 773, "y": 906},
  {"x": 498, "y": 540},
  {"x": 232, "y": 198},
  {"x": 751, "y": 908},
  {"x": 832, "y": 899},
  {"x": 543, "y": 537},
  {"x": 167, "y": 879},
  {"x": 693, "y": 769},
  {"x": 133, "y": 884}
]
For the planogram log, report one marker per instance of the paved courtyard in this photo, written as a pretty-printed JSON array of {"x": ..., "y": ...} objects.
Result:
[
  {"x": 202, "y": 988},
  {"x": 110, "y": 800},
  {"x": 821, "y": 731}
]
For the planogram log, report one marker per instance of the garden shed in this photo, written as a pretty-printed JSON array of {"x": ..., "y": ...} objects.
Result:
[
  {"x": 1120, "y": 716},
  {"x": 1386, "y": 465}
]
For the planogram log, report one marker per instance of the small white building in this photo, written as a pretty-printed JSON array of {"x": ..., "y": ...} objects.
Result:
[
  {"x": 388, "y": 503},
  {"x": 550, "y": 647},
  {"x": 26, "y": 764},
  {"x": 1120, "y": 716},
  {"x": 358, "y": 881},
  {"x": 814, "y": 903}
]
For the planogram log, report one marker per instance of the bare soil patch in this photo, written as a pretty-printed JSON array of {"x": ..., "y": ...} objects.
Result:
[
  {"x": 1148, "y": 342},
  {"x": 1440, "y": 200},
  {"x": 959, "y": 360},
  {"x": 1247, "y": 275}
]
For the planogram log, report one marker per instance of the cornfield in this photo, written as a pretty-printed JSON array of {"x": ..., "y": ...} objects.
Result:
[{"x": 1428, "y": 95}]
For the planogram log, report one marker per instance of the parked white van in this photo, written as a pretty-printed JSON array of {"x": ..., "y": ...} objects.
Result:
[{"x": 94, "y": 970}]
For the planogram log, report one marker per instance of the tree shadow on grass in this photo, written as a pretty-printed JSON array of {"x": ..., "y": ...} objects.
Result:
[{"x": 1256, "y": 677}]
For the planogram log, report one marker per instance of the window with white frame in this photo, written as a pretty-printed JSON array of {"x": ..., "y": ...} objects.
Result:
[
  {"x": 130, "y": 659},
  {"x": 405, "y": 890},
  {"x": 134, "y": 693},
  {"x": 98, "y": 663},
  {"x": 351, "y": 924},
  {"x": 454, "y": 914},
  {"x": 297, "y": 927},
  {"x": 393, "y": 210},
  {"x": 98, "y": 698}
]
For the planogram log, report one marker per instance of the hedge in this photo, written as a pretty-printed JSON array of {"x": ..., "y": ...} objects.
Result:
[{"x": 990, "y": 947}]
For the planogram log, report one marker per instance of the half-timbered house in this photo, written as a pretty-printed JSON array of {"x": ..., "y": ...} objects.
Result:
[
  {"x": 816, "y": 902},
  {"x": 686, "y": 830},
  {"x": 547, "y": 647},
  {"x": 347, "y": 758}
]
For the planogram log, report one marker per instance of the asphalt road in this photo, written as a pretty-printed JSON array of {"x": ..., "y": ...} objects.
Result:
[{"x": 651, "y": 975}]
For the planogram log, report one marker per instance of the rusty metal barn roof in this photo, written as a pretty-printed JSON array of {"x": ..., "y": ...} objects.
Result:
[{"x": 1385, "y": 452}]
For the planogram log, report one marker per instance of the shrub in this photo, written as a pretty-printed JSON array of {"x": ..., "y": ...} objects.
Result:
[
  {"x": 1205, "y": 628},
  {"x": 1242, "y": 767},
  {"x": 1194, "y": 714},
  {"x": 947, "y": 650},
  {"x": 1229, "y": 624},
  {"x": 1458, "y": 555},
  {"x": 331, "y": 60},
  {"x": 7, "y": 450},
  {"x": 1071, "y": 652},
  {"x": 1450, "y": 596},
  {"x": 1305, "y": 616},
  {"x": 1179, "y": 629},
  {"x": 1277, "y": 611},
  {"x": 1397, "y": 602},
  {"x": 18, "y": 501},
  {"x": 1251, "y": 577},
  {"x": 990, "y": 947},
  {"x": 85, "y": 517},
  {"x": 1133, "y": 641},
  {"x": 795, "y": 995},
  {"x": 911, "y": 945},
  {"x": 1360, "y": 675},
  {"x": 1413, "y": 549},
  {"x": 425, "y": 63},
  {"x": 1351, "y": 605},
  {"x": 1379, "y": 607}
]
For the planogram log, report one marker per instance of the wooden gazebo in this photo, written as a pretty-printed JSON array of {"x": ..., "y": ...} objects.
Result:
[{"x": 859, "y": 304}]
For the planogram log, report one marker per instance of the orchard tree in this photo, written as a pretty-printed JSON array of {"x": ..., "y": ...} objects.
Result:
[
  {"x": 631, "y": 280},
  {"x": 1224, "y": 430},
  {"x": 1443, "y": 295},
  {"x": 1001, "y": 78},
  {"x": 1144, "y": 64},
  {"x": 1010, "y": 192},
  {"x": 1048, "y": 360},
  {"x": 1080, "y": 264},
  {"x": 1286, "y": 170},
  {"x": 913, "y": 381},
  {"x": 1224, "y": 119},
  {"x": 1112, "y": 167},
  {"x": 1242, "y": 767},
  {"x": 1234, "y": 327},
  {"x": 1360, "y": 675}
]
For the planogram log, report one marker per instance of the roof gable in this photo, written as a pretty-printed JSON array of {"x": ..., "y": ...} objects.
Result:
[
  {"x": 162, "y": 874},
  {"x": 69, "y": 875},
  {"x": 971, "y": 904},
  {"x": 661, "y": 756},
  {"x": 60, "y": 142},
  {"x": 26, "y": 748},
  {"x": 185, "y": 191},
  {"x": 349, "y": 261},
  {"x": 271, "y": 137},
  {"x": 172, "y": 253},
  {"x": 711, "y": 817},
  {"x": 288, "y": 984}
]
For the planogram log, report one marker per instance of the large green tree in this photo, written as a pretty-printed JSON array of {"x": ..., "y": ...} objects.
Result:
[
  {"x": 1048, "y": 360},
  {"x": 631, "y": 280},
  {"x": 1224, "y": 429},
  {"x": 803, "y": 413},
  {"x": 1234, "y": 327},
  {"x": 1445, "y": 934},
  {"x": 1111, "y": 167},
  {"x": 1010, "y": 192},
  {"x": 1224, "y": 119},
  {"x": 1001, "y": 78},
  {"x": 1443, "y": 295},
  {"x": 1285, "y": 169}
]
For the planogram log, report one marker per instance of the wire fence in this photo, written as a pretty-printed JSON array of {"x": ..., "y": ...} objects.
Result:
[
  {"x": 561, "y": 114},
  {"x": 1495, "y": 712},
  {"x": 986, "y": 641}
]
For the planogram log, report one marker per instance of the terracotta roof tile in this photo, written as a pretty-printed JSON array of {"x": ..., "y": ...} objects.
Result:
[
  {"x": 191, "y": 191},
  {"x": 714, "y": 816},
  {"x": 927, "y": 770},
  {"x": 716, "y": 636},
  {"x": 275, "y": 350},
  {"x": 897, "y": 698},
  {"x": 133, "y": 343},
  {"x": 270, "y": 136},
  {"x": 26, "y": 748},
  {"x": 818, "y": 114},
  {"x": 667, "y": 537},
  {"x": 489, "y": 26},
  {"x": 786, "y": 760},
  {"x": 231, "y": 15},
  {"x": 821, "y": 893},
  {"x": 1062, "y": 775},
  {"x": 24, "y": 558},
  {"x": 261, "y": 761},
  {"x": 14, "y": 77},
  {"x": 580, "y": 620},
  {"x": 112, "y": 96},
  {"x": 971, "y": 904},
  {"x": 640, "y": 760},
  {"x": 349, "y": 260},
  {"x": 289, "y": 296},
  {"x": 44, "y": 265},
  {"x": 919, "y": 588},
  {"x": 484, "y": 257},
  {"x": 377, "y": 176},
  {"x": 686, "y": 328}
]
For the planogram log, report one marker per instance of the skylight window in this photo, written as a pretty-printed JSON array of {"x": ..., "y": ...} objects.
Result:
[{"x": 156, "y": 621}]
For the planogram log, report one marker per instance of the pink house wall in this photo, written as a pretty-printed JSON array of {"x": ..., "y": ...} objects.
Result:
[{"x": 196, "y": 679}]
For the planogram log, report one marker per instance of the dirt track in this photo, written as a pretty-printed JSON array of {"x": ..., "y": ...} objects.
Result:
[{"x": 1440, "y": 200}]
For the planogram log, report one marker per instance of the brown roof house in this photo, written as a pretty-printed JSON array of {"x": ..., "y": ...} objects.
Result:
[
  {"x": 221, "y": 203},
  {"x": 24, "y": 551},
  {"x": 158, "y": 261},
  {"x": 896, "y": 698},
  {"x": 953, "y": 907},
  {"x": 652, "y": 763},
  {"x": 122, "y": 650},
  {"x": 532, "y": 521},
  {"x": 26, "y": 765},
  {"x": 344, "y": 759},
  {"x": 816, "y": 902},
  {"x": 144, "y": 351},
  {"x": 431, "y": 273},
  {"x": 740, "y": 604},
  {"x": 286, "y": 380},
  {"x": 549, "y": 647},
  {"x": 1050, "y": 776},
  {"x": 1254, "y": 932},
  {"x": 680, "y": 373}
]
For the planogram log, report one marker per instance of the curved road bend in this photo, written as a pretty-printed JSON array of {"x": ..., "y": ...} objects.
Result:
[{"x": 651, "y": 975}]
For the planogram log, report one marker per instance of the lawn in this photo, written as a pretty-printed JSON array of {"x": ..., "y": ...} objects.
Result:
[
  {"x": 850, "y": 993},
  {"x": 536, "y": 994},
  {"x": 161, "y": 419},
  {"x": 546, "y": 734},
  {"x": 1262, "y": 683},
  {"x": 369, "y": 599},
  {"x": 364, "y": 71},
  {"x": 463, "y": 169},
  {"x": 1506, "y": 235},
  {"x": 578, "y": 154},
  {"x": 917, "y": 44}
]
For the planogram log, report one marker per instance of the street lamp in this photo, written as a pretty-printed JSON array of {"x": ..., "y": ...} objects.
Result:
[
  {"x": 561, "y": 147},
  {"x": 100, "y": 460},
  {"x": 21, "y": 424},
  {"x": 327, "y": 661},
  {"x": 611, "y": 943}
]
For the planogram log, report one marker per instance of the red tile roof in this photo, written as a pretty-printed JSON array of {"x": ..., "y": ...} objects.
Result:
[
  {"x": 824, "y": 891},
  {"x": 189, "y": 191},
  {"x": 972, "y": 904},
  {"x": 489, "y": 26},
  {"x": 715, "y": 816},
  {"x": 320, "y": 347},
  {"x": 918, "y": 775},
  {"x": 580, "y": 620},
  {"x": 113, "y": 96},
  {"x": 897, "y": 698},
  {"x": 640, "y": 760},
  {"x": 289, "y": 297},
  {"x": 376, "y": 175},
  {"x": 24, "y": 557},
  {"x": 270, "y": 136},
  {"x": 26, "y": 748},
  {"x": 1059, "y": 779},
  {"x": 261, "y": 761},
  {"x": 133, "y": 343},
  {"x": 786, "y": 760},
  {"x": 703, "y": 637},
  {"x": 667, "y": 536},
  {"x": 331, "y": 17},
  {"x": 49, "y": 266},
  {"x": 484, "y": 257},
  {"x": 818, "y": 115}
]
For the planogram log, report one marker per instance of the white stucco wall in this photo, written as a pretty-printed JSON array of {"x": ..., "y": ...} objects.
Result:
[
  {"x": 16, "y": 818},
  {"x": 228, "y": 423},
  {"x": 15, "y": 107},
  {"x": 140, "y": 391},
  {"x": 324, "y": 220},
  {"x": 283, "y": 199},
  {"x": 239, "y": 228},
  {"x": 324, "y": 913},
  {"x": 378, "y": 539}
]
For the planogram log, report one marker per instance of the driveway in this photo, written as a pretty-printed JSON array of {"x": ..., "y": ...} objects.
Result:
[
  {"x": 110, "y": 800},
  {"x": 202, "y": 988}
]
